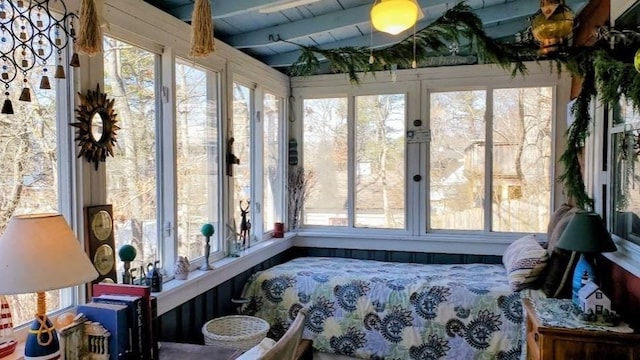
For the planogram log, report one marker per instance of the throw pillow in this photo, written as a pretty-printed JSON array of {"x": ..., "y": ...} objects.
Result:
[
  {"x": 525, "y": 260},
  {"x": 562, "y": 223},
  {"x": 555, "y": 218}
]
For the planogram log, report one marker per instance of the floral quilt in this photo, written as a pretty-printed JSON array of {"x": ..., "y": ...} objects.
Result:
[{"x": 381, "y": 310}]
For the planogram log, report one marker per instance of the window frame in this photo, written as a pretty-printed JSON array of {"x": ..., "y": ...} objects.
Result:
[{"x": 417, "y": 83}]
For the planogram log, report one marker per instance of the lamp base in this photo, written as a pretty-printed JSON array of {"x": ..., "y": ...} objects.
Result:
[
  {"x": 585, "y": 271},
  {"x": 42, "y": 341}
]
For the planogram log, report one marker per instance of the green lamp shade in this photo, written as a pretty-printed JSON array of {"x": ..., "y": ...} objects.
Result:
[
  {"x": 207, "y": 230},
  {"x": 127, "y": 252},
  {"x": 586, "y": 233}
]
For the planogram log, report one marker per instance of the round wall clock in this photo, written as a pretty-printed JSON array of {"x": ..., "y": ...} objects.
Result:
[{"x": 100, "y": 243}]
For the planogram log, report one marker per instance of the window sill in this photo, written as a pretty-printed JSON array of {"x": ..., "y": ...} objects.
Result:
[
  {"x": 627, "y": 256},
  {"x": 176, "y": 292}
]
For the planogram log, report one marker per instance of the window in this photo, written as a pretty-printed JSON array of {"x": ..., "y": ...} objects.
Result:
[
  {"x": 31, "y": 148},
  {"x": 325, "y": 160},
  {"x": 197, "y": 173},
  {"x": 521, "y": 174},
  {"x": 380, "y": 159},
  {"x": 242, "y": 191},
  {"x": 457, "y": 154},
  {"x": 520, "y": 145},
  {"x": 130, "y": 78},
  {"x": 625, "y": 172},
  {"x": 273, "y": 172}
]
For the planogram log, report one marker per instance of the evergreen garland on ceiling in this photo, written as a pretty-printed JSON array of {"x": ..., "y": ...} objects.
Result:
[
  {"x": 606, "y": 69},
  {"x": 454, "y": 25}
]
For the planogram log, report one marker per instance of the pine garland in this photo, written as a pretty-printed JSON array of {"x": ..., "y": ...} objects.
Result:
[{"x": 455, "y": 24}]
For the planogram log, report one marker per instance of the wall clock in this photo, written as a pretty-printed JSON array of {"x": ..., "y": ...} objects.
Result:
[{"x": 100, "y": 242}]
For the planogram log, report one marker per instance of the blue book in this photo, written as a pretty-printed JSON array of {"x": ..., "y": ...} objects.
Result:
[
  {"x": 114, "y": 318},
  {"x": 135, "y": 309}
]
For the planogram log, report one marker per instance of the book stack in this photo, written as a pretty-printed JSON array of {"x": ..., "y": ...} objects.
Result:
[{"x": 140, "y": 318}]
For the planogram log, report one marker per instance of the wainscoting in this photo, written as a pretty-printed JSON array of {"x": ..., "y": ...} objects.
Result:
[{"x": 184, "y": 323}]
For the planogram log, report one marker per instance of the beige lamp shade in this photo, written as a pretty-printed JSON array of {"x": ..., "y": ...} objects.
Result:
[
  {"x": 394, "y": 16},
  {"x": 40, "y": 253}
]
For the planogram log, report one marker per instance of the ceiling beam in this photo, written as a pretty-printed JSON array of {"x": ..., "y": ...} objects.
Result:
[
  {"x": 224, "y": 8},
  {"x": 359, "y": 16}
]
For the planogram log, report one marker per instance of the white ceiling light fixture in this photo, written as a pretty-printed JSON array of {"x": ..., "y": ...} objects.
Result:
[
  {"x": 395, "y": 16},
  {"x": 285, "y": 6}
]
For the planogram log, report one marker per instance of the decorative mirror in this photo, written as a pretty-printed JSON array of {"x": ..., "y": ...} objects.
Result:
[{"x": 96, "y": 127}]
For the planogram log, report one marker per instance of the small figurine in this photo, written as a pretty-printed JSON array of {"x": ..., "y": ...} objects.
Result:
[
  {"x": 127, "y": 254},
  {"x": 245, "y": 225},
  {"x": 207, "y": 230},
  {"x": 181, "y": 268}
]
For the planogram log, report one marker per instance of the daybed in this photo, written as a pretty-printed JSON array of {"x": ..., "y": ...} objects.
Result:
[{"x": 378, "y": 310}]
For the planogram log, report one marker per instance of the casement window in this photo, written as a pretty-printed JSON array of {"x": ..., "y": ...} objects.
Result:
[
  {"x": 624, "y": 133},
  {"x": 273, "y": 166},
  {"x": 484, "y": 155},
  {"x": 131, "y": 79},
  {"x": 377, "y": 176},
  {"x": 518, "y": 139},
  {"x": 197, "y": 158},
  {"x": 35, "y": 167}
]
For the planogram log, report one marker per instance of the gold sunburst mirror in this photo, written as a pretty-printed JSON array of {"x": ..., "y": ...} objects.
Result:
[{"x": 96, "y": 127}]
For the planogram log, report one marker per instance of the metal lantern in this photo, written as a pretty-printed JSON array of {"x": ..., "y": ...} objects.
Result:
[{"x": 552, "y": 26}]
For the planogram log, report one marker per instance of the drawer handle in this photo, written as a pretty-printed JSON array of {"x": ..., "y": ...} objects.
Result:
[{"x": 536, "y": 337}]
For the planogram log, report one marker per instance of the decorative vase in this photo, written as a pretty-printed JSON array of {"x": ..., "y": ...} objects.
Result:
[{"x": 181, "y": 269}]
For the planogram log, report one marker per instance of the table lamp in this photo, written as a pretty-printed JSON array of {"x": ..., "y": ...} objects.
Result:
[
  {"x": 40, "y": 253},
  {"x": 587, "y": 235}
]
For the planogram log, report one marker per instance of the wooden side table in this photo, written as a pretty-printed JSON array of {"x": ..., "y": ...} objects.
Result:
[{"x": 563, "y": 343}]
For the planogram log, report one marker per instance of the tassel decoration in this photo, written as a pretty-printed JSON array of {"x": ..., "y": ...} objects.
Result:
[
  {"x": 202, "y": 41},
  {"x": 89, "y": 34}
]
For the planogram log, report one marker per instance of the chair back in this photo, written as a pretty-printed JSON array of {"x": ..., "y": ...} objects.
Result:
[{"x": 285, "y": 348}]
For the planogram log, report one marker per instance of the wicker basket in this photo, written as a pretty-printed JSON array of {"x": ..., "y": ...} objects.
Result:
[{"x": 239, "y": 332}]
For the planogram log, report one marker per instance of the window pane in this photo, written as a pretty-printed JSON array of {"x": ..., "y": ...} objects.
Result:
[
  {"x": 457, "y": 160},
  {"x": 521, "y": 178},
  {"x": 196, "y": 159},
  {"x": 242, "y": 97},
  {"x": 271, "y": 158},
  {"x": 28, "y": 173},
  {"x": 129, "y": 77},
  {"x": 325, "y": 156},
  {"x": 380, "y": 161},
  {"x": 625, "y": 180}
]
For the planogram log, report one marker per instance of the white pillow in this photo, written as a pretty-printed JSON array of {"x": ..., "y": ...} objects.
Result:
[
  {"x": 524, "y": 259},
  {"x": 257, "y": 351}
]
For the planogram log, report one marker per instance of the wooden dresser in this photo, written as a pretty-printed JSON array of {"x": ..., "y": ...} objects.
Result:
[{"x": 558, "y": 343}]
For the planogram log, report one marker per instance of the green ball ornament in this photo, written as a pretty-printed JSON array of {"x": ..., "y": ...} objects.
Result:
[
  {"x": 636, "y": 60},
  {"x": 207, "y": 230},
  {"x": 127, "y": 252}
]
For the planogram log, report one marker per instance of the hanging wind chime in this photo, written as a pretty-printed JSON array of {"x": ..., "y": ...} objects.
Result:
[{"x": 31, "y": 34}]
